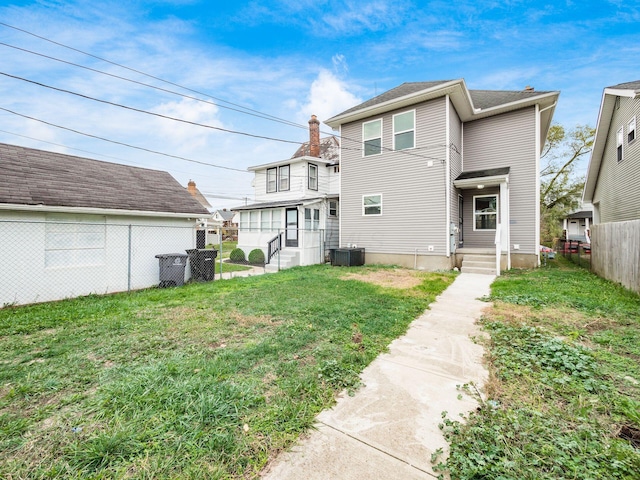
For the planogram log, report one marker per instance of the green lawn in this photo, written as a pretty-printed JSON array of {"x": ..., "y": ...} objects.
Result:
[
  {"x": 564, "y": 391},
  {"x": 206, "y": 381}
]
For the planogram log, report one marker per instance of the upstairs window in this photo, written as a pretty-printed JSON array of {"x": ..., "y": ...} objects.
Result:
[
  {"x": 485, "y": 211},
  {"x": 313, "y": 177},
  {"x": 619, "y": 138},
  {"x": 631, "y": 130},
  {"x": 372, "y": 136},
  {"x": 372, "y": 204},
  {"x": 272, "y": 180},
  {"x": 283, "y": 172},
  {"x": 404, "y": 130}
]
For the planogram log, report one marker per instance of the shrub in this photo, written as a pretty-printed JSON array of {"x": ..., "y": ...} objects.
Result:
[
  {"x": 256, "y": 256},
  {"x": 236, "y": 255}
]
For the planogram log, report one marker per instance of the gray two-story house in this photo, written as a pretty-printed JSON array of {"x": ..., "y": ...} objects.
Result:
[{"x": 434, "y": 174}]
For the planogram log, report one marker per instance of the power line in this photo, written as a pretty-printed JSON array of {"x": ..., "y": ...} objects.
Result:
[
  {"x": 257, "y": 114},
  {"x": 265, "y": 115},
  {"x": 166, "y": 117},
  {"x": 123, "y": 144}
]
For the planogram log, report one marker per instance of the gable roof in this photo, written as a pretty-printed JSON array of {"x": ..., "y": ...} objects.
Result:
[
  {"x": 469, "y": 104},
  {"x": 38, "y": 179},
  {"x": 226, "y": 215},
  {"x": 628, "y": 89}
]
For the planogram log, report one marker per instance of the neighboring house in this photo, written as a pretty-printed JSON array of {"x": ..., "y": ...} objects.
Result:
[
  {"x": 222, "y": 222},
  {"x": 613, "y": 186},
  {"x": 295, "y": 218},
  {"x": 577, "y": 225},
  {"x": 435, "y": 173},
  {"x": 73, "y": 226}
]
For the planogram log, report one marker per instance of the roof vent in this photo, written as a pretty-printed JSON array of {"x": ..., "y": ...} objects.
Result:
[{"x": 529, "y": 88}]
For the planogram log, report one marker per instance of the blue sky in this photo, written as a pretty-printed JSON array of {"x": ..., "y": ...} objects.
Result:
[{"x": 288, "y": 59}]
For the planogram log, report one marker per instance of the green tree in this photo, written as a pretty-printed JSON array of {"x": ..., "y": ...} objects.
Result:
[{"x": 560, "y": 185}]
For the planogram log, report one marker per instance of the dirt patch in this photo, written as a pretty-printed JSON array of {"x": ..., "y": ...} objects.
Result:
[{"x": 397, "y": 278}]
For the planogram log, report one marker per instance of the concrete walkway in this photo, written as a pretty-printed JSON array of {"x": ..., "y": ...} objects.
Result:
[{"x": 389, "y": 428}]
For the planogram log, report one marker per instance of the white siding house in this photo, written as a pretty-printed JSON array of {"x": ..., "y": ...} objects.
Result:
[{"x": 295, "y": 218}]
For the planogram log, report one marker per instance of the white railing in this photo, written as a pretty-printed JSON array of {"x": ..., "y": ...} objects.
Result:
[{"x": 498, "y": 243}]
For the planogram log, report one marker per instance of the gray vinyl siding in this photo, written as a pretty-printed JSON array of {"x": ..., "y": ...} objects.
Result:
[
  {"x": 412, "y": 192},
  {"x": 508, "y": 140},
  {"x": 617, "y": 189},
  {"x": 455, "y": 159}
]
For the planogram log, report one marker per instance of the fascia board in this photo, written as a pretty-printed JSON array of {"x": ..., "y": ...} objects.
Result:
[
  {"x": 289, "y": 161},
  {"x": 96, "y": 211},
  {"x": 618, "y": 92},
  {"x": 400, "y": 102},
  {"x": 600, "y": 139},
  {"x": 487, "y": 181}
]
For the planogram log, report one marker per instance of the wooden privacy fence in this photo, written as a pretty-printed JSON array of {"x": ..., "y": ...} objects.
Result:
[{"x": 615, "y": 252}]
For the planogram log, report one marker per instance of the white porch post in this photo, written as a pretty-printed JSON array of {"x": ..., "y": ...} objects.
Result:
[{"x": 505, "y": 234}]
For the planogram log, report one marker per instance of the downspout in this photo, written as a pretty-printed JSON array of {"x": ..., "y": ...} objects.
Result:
[{"x": 447, "y": 188}]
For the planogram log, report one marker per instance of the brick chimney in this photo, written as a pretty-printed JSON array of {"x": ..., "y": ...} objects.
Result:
[
  {"x": 191, "y": 187},
  {"x": 314, "y": 137}
]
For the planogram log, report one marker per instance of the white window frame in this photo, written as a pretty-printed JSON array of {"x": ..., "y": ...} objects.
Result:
[
  {"x": 619, "y": 144},
  {"x": 265, "y": 220},
  {"x": 333, "y": 208},
  {"x": 312, "y": 180},
  {"x": 372, "y": 205},
  {"x": 475, "y": 213},
  {"x": 272, "y": 180},
  {"x": 631, "y": 130},
  {"x": 365, "y": 139},
  {"x": 276, "y": 219},
  {"x": 281, "y": 178},
  {"x": 400, "y": 132}
]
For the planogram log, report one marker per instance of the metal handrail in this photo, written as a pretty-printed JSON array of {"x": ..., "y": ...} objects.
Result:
[{"x": 274, "y": 246}]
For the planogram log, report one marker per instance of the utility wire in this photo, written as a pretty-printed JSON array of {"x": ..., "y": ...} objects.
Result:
[
  {"x": 167, "y": 117},
  {"x": 265, "y": 115},
  {"x": 122, "y": 143},
  {"x": 172, "y": 92}
]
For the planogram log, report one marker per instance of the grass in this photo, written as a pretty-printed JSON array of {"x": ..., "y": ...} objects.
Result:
[
  {"x": 563, "y": 399},
  {"x": 210, "y": 380}
]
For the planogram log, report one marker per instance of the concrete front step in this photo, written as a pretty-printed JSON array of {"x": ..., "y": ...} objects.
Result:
[
  {"x": 481, "y": 270},
  {"x": 288, "y": 259}
]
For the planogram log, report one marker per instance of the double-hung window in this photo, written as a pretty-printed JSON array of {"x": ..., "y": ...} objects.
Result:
[
  {"x": 272, "y": 180},
  {"x": 372, "y": 137},
  {"x": 619, "y": 140},
  {"x": 372, "y": 204},
  {"x": 278, "y": 179},
  {"x": 404, "y": 129},
  {"x": 313, "y": 177},
  {"x": 485, "y": 212},
  {"x": 283, "y": 172},
  {"x": 631, "y": 130},
  {"x": 311, "y": 218},
  {"x": 333, "y": 208}
]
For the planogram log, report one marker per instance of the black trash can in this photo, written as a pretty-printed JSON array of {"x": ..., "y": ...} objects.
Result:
[
  {"x": 203, "y": 263},
  {"x": 172, "y": 269}
]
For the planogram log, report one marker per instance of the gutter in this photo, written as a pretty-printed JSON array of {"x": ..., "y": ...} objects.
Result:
[{"x": 98, "y": 211}]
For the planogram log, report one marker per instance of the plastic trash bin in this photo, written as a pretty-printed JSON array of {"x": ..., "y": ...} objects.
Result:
[
  {"x": 203, "y": 263},
  {"x": 172, "y": 269}
]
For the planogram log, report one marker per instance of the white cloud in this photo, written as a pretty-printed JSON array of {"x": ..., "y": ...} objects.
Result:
[{"x": 328, "y": 96}]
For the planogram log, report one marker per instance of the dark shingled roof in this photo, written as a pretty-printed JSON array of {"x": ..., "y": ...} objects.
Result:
[
  {"x": 481, "y": 98},
  {"x": 406, "y": 88},
  {"x": 490, "y": 172},
  {"x": 492, "y": 98},
  {"x": 37, "y": 177},
  {"x": 627, "y": 86}
]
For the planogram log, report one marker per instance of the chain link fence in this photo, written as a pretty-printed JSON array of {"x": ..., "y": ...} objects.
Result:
[
  {"x": 576, "y": 251},
  {"x": 50, "y": 260}
]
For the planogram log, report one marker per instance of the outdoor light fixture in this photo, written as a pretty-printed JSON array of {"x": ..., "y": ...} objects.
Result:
[{"x": 480, "y": 186}]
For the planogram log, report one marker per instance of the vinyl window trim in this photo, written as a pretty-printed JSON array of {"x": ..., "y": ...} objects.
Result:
[
  {"x": 400, "y": 132},
  {"x": 372, "y": 205},
  {"x": 366, "y": 139}
]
